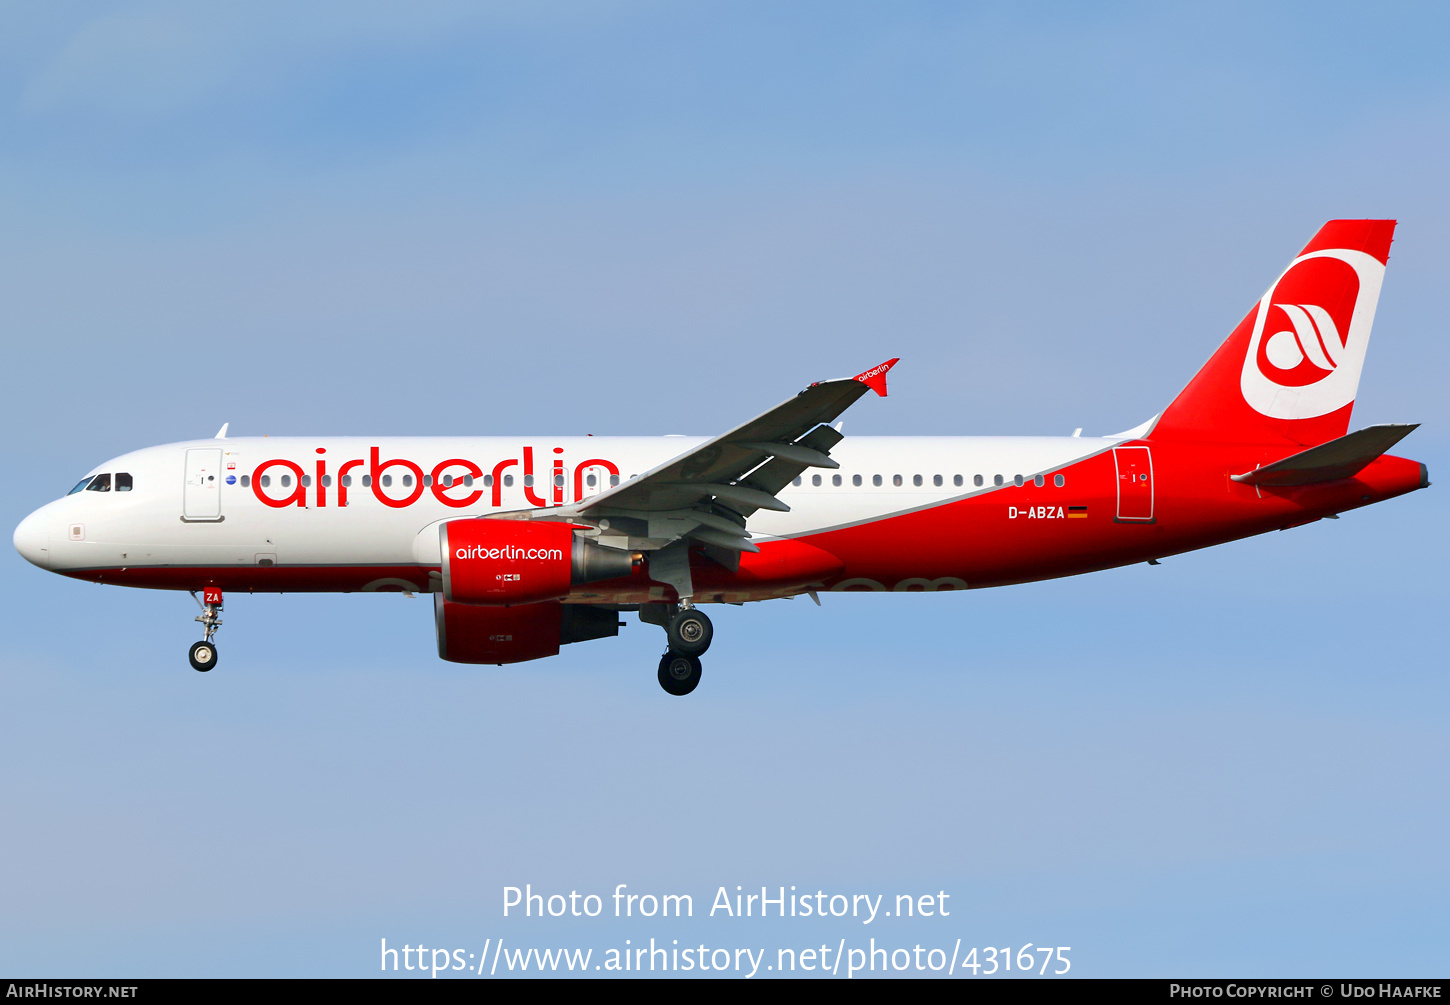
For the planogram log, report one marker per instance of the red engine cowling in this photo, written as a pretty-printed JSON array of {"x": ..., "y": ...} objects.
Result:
[
  {"x": 501, "y": 563},
  {"x": 470, "y": 634}
]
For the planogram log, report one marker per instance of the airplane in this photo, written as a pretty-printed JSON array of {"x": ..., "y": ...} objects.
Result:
[{"x": 528, "y": 544}]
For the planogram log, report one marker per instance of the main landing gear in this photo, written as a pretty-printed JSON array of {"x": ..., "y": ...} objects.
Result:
[
  {"x": 689, "y": 634},
  {"x": 679, "y": 674},
  {"x": 203, "y": 653}
]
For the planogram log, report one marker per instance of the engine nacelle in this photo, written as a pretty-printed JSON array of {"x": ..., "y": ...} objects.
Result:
[
  {"x": 501, "y": 563},
  {"x": 468, "y": 633}
]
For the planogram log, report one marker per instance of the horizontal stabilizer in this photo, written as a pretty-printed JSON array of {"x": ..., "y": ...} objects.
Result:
[{"x": 1341, "y": 458}]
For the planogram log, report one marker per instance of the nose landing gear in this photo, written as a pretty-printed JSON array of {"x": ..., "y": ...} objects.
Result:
[
  {"x": 202, "y": 656},
  {"x": 203, "y": 653}
]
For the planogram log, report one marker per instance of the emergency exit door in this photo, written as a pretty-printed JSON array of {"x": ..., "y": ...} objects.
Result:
[
  {"x": 1135, "y": 484},
  {"x": 202, "y": 495}
]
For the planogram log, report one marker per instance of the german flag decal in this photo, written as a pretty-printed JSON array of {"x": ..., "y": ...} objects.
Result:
[{"x": 1077, "y": 512}]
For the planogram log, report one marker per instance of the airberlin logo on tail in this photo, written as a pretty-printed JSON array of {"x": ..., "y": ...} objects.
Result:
[{"x": 1310, "y": 333}]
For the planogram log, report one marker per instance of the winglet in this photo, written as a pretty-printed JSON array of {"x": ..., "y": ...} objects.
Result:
[
  {"x": 875, "y": 378},
  {"x": 221, "y": 434}
]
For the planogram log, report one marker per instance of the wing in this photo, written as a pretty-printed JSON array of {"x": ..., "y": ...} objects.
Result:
[{"x": 707, "y": 495}]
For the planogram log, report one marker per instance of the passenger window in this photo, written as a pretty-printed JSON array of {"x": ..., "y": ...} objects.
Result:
[
  {"x": 559, "y": 481},
  {"x": 896, "y": 480},
  {"x": 468, "y": 480},
  {"x": 307, "y": 481},
  {"x": 487, "y": 481},
  {"x": 528, "y": 481},
  {"x": 508, "y": 481},
  {"x": 957, "y": 480},
  {"x": 1017, "y": 480},
  {"x": 367, "y": 481},
  {"x": 916, "y": 480},
  {"x": 816, "y": 480},
  {"x": 447, "y": 481},
  {"x": 936, "y": 480},
  {"x": 347, "y": 481},
  {"x": 407, "y": 481},
  {"x": 1058, "y": 480},
  {"x": 613, "y": 481},
  {"x": 246, "y": 480},
  {"x": 796, "y": 481},
  {"x": 100, "y": 483},
  {"x": 327, "y": 481},
  {"x": 590, "y": 480},
  {"x": 427, "y": 479},
  {"x": 286, "y": 481},
  {"x": 856, "y": 480},
  {"x": 977, "y": 480},
  {"x": 123, "y": 481},
  {"x": 266, "y": 481},
  {"x": 80, "y": 485},
  {"x": 996, "y": 479},
  {"x": 876, "y": 480},
  {"x": 1040, "y": 481},
  {"x": 836, "y": 480}
]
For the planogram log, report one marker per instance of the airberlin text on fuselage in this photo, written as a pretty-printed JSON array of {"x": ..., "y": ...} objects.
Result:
[{"x": 458, "y": 492}]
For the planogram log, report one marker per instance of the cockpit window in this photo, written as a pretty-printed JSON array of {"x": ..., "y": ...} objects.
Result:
[
  {"x": 100, "y": 483},
  {"x": 80, "y": 485},
  {"x": 123, "y": 481}
]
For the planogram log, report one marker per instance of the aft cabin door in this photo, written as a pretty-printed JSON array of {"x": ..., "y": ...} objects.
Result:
[
  {"x": 202, "y": 495},
  {"x": 1135, "y": 484}
]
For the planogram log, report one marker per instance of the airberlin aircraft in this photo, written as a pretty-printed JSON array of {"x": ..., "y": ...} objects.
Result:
[{"x": 530, "y": 544}]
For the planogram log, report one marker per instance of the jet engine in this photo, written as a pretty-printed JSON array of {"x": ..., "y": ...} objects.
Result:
[
  {"x": 468, "y": 633},
  {"x": 502, "y": 563}
]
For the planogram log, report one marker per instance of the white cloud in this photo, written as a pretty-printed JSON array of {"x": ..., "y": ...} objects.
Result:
[
  {"x": 152, "y": 58},
  {"x": 139, "y": 61}
]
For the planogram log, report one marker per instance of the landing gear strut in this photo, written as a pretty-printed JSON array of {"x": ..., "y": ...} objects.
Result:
[{"x": 203, "y": 653}]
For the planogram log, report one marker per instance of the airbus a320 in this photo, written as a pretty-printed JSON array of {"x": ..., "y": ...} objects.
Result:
[{"x": 528, "y": 544}]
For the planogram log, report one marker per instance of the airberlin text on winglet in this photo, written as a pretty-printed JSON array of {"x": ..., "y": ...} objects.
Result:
[{"x": 875, "y": 378}]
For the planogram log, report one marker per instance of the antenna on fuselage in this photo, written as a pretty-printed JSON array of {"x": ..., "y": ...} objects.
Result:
[{"x": 221, "y": 434}]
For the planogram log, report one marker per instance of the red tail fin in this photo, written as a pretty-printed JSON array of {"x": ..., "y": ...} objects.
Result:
[{"x": 1290, "y": 370}]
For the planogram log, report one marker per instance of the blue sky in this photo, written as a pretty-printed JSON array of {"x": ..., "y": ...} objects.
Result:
[{"x": 654, "y": 218}]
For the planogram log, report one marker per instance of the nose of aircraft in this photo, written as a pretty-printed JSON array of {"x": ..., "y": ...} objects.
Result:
[{"x": 31, "y": 540}]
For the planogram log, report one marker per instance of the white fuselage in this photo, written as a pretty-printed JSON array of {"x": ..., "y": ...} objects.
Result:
[{"x": 173, "y": 516}]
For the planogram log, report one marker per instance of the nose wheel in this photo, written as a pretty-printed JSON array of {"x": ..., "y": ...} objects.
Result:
[
  {"x": 203, "y": 656},
  {"x": 203, "y": 653}
]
